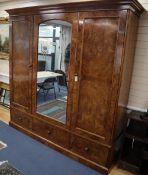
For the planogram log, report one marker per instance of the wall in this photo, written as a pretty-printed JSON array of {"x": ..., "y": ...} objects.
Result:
[
  {"x": 139, "y": 86},
  {"x": 144, "y": 3},
  {"x": 8, "y": 4},
  {"x": 4, "y": 70},
  {"x": 138, "y": 98}
]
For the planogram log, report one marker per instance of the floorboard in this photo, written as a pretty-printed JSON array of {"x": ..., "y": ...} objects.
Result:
[{"x": 4, "y": 114}]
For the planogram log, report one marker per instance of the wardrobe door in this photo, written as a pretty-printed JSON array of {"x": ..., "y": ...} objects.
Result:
[
  {"x": 55, "y": 39},
  {"x": 21, "y": 62},
  {"x": 97, "y": 75}
]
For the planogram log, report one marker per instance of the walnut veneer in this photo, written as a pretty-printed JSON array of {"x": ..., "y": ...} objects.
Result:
[{"x": 102, "y": 52}]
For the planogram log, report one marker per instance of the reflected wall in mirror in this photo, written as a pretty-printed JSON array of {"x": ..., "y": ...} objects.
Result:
[{"x": 53, "y": 61}]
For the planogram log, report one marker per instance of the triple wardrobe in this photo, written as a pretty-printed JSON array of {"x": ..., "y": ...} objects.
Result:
[{"x": 77, "y": 103}]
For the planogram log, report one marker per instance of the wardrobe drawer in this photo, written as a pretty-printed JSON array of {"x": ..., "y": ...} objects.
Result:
[
  {"x": 21, "y": 119},
  {"x": 90, "y": 150},
  {"x": 51, "y": 133}
]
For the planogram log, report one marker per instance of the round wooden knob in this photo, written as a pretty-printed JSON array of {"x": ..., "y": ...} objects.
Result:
[
  {"x": 20, "y": 119},
  {"x": 86, "y": 149},
  {"x": 49, "y": 131}
]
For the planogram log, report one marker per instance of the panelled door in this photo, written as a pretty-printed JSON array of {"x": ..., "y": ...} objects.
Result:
[
  {"x": 21, "y": 62},
  {"x": 99, "y": 55}
]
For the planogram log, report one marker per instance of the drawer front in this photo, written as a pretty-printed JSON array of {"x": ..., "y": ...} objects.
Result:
[
  {"x": 89, "y": 150},
  {"x": 21, "y": 119},
  {"x": 50, "y": 132}
]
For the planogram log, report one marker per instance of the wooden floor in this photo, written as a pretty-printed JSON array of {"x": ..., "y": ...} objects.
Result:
[
  {"x": 5, "y": 116},
  {"x": 117, "y": 171}
]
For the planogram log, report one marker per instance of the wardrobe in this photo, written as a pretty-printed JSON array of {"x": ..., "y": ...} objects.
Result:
[{"x": 103, "y": 38}]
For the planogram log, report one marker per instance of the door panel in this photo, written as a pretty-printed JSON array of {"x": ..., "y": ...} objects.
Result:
[
  {"x": 99, "y": 38},
  {"x": 100, "y": 34},
  {"x": 56, "y": 20},
  {"x": 21, "y": 65}
]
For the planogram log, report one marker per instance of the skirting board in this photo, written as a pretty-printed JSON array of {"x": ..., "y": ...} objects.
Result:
[{"x": 137, "y": 109}]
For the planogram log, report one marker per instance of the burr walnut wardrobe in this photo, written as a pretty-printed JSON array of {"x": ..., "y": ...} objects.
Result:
[{"x": 102, "y": 46}]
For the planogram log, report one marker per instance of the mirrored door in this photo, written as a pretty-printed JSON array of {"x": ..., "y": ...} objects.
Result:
[{"x": 53, "y": 59}]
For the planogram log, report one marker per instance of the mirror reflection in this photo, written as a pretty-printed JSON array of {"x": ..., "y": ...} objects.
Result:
[{"x": 53, "y": 62}]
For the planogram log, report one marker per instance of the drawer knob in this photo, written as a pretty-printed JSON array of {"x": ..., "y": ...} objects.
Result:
[
  {"x": 20, "y": 119},
  {"x": 49, "y": 131},
  {"x": 86, "y": 149}
]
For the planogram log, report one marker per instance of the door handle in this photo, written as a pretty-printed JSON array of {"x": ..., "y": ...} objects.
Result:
[{"x": 76, "y": 78}]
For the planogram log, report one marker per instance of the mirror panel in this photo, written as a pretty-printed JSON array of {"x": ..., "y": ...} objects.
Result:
[{"x": 52, "y": 71}]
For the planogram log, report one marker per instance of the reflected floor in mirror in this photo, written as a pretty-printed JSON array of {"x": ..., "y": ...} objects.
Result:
[
  {"x": 54, "y": 47},
  {"x": 53, "y": 107}
]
